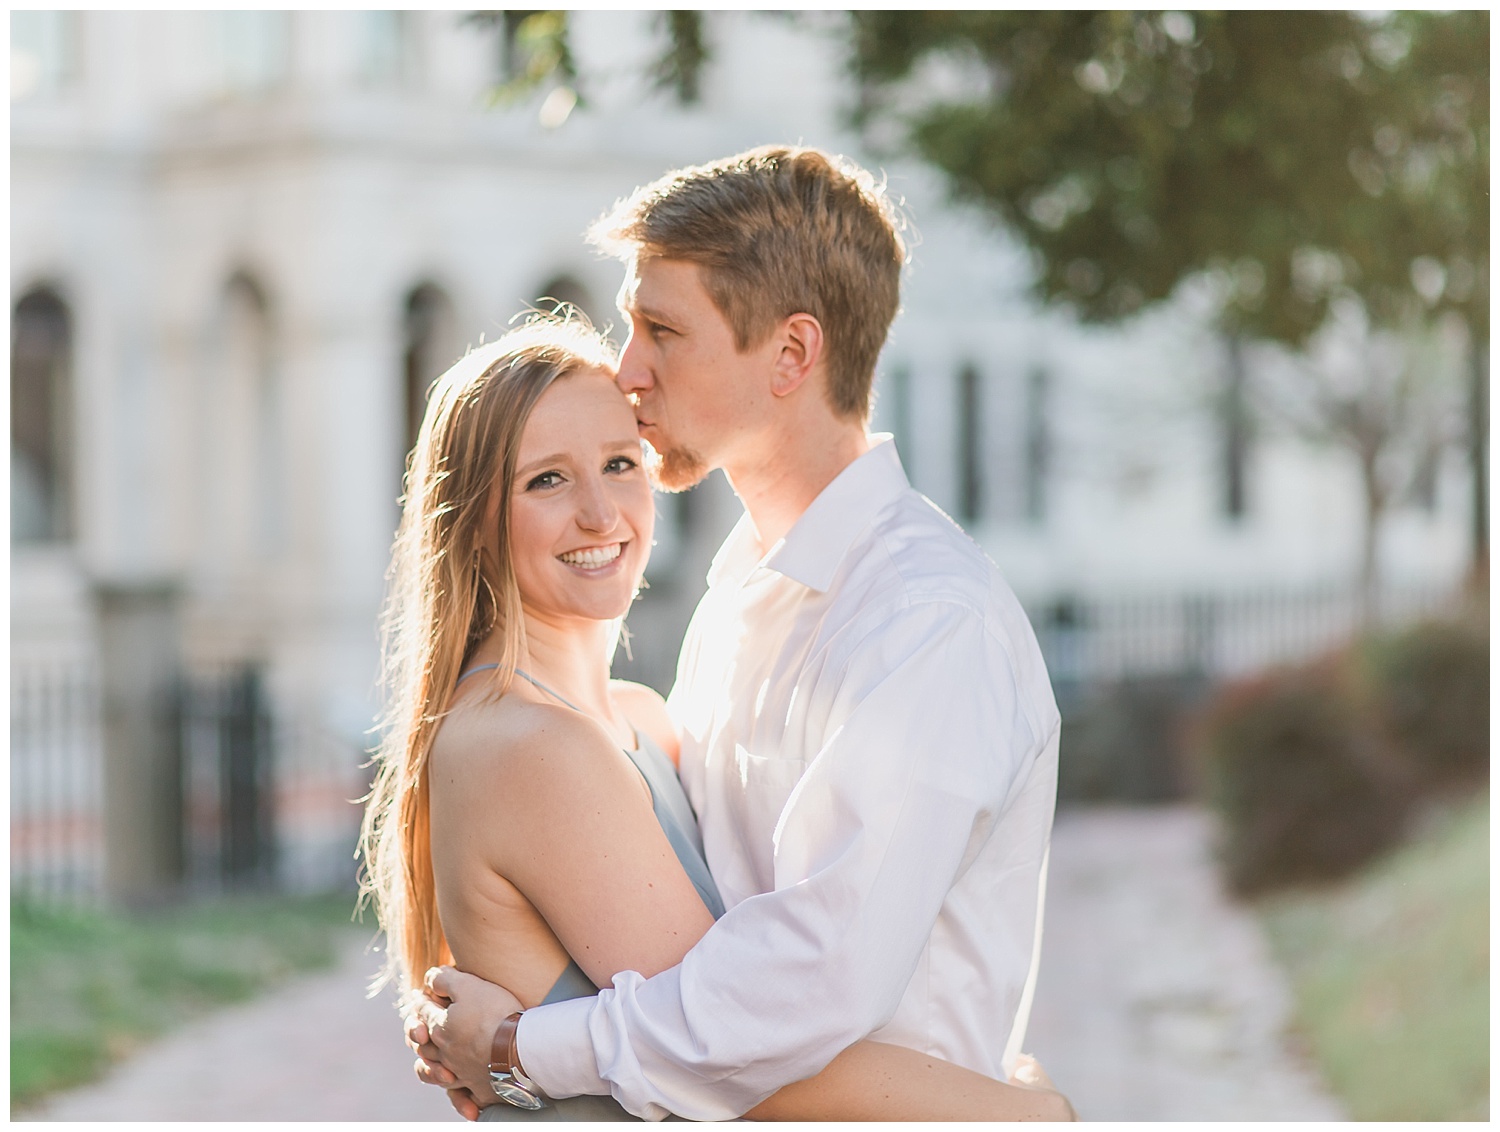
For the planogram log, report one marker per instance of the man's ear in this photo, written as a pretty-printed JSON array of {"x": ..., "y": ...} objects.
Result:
[{"x": 801, "y": 341}]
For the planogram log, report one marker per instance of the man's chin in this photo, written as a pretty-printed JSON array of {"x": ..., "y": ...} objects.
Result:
[{"x": 676, "y": 469}]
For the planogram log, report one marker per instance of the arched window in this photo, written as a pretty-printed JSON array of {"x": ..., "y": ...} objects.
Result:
[
  {"x": 41, "y": 433},
  {"x": 429, "y": 346},
  {"x": 242, "y": 434}
]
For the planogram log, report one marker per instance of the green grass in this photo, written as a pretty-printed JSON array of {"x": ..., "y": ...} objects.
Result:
[
  {"x": 89, "y": 987},
  {"x": 1391, "y": 975}
]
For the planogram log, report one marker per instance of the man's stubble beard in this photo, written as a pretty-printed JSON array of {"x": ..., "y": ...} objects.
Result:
[{"x": 676, "y": 469}]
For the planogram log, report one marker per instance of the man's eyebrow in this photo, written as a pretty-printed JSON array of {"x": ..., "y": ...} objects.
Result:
[{"x": 651, "y": 314}]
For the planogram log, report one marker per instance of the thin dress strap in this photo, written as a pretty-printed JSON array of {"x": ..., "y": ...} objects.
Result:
[
  {"x": 470, "y": 672},
  {"x": 537, "y": 683},
  {"x": 524, "y": 676}
]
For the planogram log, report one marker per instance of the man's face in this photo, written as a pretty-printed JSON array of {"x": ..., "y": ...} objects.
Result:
[{"x": 693, "y": 391}]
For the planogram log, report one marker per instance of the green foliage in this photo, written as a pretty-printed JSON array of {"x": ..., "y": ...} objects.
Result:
[
  {"x": 680, "y": 65},
  {"x": 1429, "y": 687},
  {"x": 88, "y": 987},
  {"x": 1391, "y": 976},
  {"x": 1301, "y": 789},
  {"x": 1296, "y": 155},
  {"x": 535, "y": 49}
]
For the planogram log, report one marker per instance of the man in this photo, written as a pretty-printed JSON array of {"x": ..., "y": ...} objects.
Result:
[{"x": 868, "y": 734}]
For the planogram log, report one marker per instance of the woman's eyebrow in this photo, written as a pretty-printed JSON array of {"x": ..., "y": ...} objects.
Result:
[{"x": 555, "y": 458}]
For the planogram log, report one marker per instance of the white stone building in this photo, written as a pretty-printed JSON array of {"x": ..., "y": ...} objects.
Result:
[{"x": 242, "y": 243}]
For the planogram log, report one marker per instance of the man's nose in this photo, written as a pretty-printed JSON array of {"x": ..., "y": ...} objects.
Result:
[{"x": 634, "y": 375}]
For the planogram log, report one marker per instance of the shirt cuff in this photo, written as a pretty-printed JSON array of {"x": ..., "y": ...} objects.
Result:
[{"x": 554, "y": 1047}]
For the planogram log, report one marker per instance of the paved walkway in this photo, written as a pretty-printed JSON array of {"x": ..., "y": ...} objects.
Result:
[
  {"x": 317, "y": 1049},
  {"x": 1157, "y": 998},
  {"x": 1156, "y": 1001}
]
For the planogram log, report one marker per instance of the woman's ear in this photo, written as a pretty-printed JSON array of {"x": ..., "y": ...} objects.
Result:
[{"x": 801, "y": 341}]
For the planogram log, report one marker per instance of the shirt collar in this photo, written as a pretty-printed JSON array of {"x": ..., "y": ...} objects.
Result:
[
  {"x": 811, "y": 551},
  {"x": 817, "y": 543}
]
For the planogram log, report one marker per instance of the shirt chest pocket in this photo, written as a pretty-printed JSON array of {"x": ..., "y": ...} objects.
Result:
[{"x": 765, "y": 784}]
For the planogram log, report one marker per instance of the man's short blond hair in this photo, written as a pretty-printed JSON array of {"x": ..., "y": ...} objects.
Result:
[{"x": 776, "y": 231}]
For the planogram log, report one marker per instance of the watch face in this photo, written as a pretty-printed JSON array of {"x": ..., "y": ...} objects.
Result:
[{"x": 512, "y": 1093}]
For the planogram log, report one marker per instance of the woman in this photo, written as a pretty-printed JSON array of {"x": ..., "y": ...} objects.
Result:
[{"x": 526, "y": 824}]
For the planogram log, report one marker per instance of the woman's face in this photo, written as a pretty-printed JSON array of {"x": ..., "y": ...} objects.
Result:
[{"x": 582, "y": 512}]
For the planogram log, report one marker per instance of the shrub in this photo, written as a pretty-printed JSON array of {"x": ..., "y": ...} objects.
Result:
[
  {"x": 1429, "y": 688},
  {"x": 1301, "y": 787},
  {"x": 1123, "y": 742}
]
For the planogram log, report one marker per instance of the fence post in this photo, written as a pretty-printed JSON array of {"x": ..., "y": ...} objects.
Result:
[
  {"x": 246, "y": 782},
  {"x": 138, "y": 637}
]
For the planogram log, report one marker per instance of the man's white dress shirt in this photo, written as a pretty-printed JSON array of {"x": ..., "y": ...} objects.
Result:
[{"x": 870, "y": 742}]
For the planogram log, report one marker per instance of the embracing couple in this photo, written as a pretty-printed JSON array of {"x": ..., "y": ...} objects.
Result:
[{"x": 808, "y": 885}]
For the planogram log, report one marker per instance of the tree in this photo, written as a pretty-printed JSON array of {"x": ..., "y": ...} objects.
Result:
[
  {"x": 1300, "y": 160},
  {"x": 1389, "y": 398}
]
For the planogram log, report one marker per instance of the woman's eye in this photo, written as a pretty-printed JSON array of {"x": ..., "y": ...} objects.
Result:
[
  {"x": 620, "y": 464},
  {"x": 656, "y": 329},
  {"x": 545, "y": 480}
]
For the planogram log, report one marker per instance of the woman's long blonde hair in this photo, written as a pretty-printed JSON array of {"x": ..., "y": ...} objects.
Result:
[{"x": 451, "y": 586}]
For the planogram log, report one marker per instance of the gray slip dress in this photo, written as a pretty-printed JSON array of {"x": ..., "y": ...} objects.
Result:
[{"x": 680, "y": 824}]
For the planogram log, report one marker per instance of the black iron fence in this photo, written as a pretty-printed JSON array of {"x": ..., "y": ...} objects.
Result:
[
  {"x": 1093, "y": 640},
  {"x": 1130, "y": 671},
  {"x": 1125, "y": 669},
  {"x": 217, "y": 739},
  {"x": 227, "y": 735},
  {"x": 56, "y": 778}
]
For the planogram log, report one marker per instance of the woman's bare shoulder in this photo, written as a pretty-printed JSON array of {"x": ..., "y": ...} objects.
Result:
[
  {"x": 645, "y": 708},
  {"x": 517, "y": 751}
]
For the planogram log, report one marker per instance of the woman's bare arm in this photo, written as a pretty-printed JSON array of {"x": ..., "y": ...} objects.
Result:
[
  {"x": 876, "y": 1081},
  {"x": 563, "y": 816},
  {"x": 577, "y": 836}
]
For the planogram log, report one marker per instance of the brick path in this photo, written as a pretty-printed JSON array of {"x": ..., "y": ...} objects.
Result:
[{"x": 1156, "y": 1001}]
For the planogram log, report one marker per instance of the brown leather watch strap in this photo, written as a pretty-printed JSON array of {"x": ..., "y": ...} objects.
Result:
[{"x": 503, "y": 1055}]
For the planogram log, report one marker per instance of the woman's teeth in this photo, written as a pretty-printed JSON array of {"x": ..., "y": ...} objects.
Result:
[{"x": 593, "y": 557}]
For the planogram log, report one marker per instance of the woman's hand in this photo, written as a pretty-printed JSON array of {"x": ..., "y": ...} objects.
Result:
[{"x": 456, "y": 1021}]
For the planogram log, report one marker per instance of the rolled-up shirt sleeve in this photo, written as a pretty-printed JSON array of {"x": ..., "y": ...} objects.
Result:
[{"x": 926, "y": 737}]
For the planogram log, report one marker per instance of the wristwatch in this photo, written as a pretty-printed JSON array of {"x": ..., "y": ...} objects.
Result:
[{"x": 507, "y": 1077}]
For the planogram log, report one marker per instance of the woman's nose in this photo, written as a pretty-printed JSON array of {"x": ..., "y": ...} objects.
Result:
[{"x": 597, "y": 509}]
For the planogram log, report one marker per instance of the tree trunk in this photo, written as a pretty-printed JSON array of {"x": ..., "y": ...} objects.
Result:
[
  {"x": 1236, "y": 425},
  {"x": 1479, "y": 462},
  {"x": 1369, "y": 558}
]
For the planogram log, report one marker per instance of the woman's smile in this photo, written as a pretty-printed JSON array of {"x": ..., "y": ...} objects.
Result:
[{"x": 593, "y": 560}]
